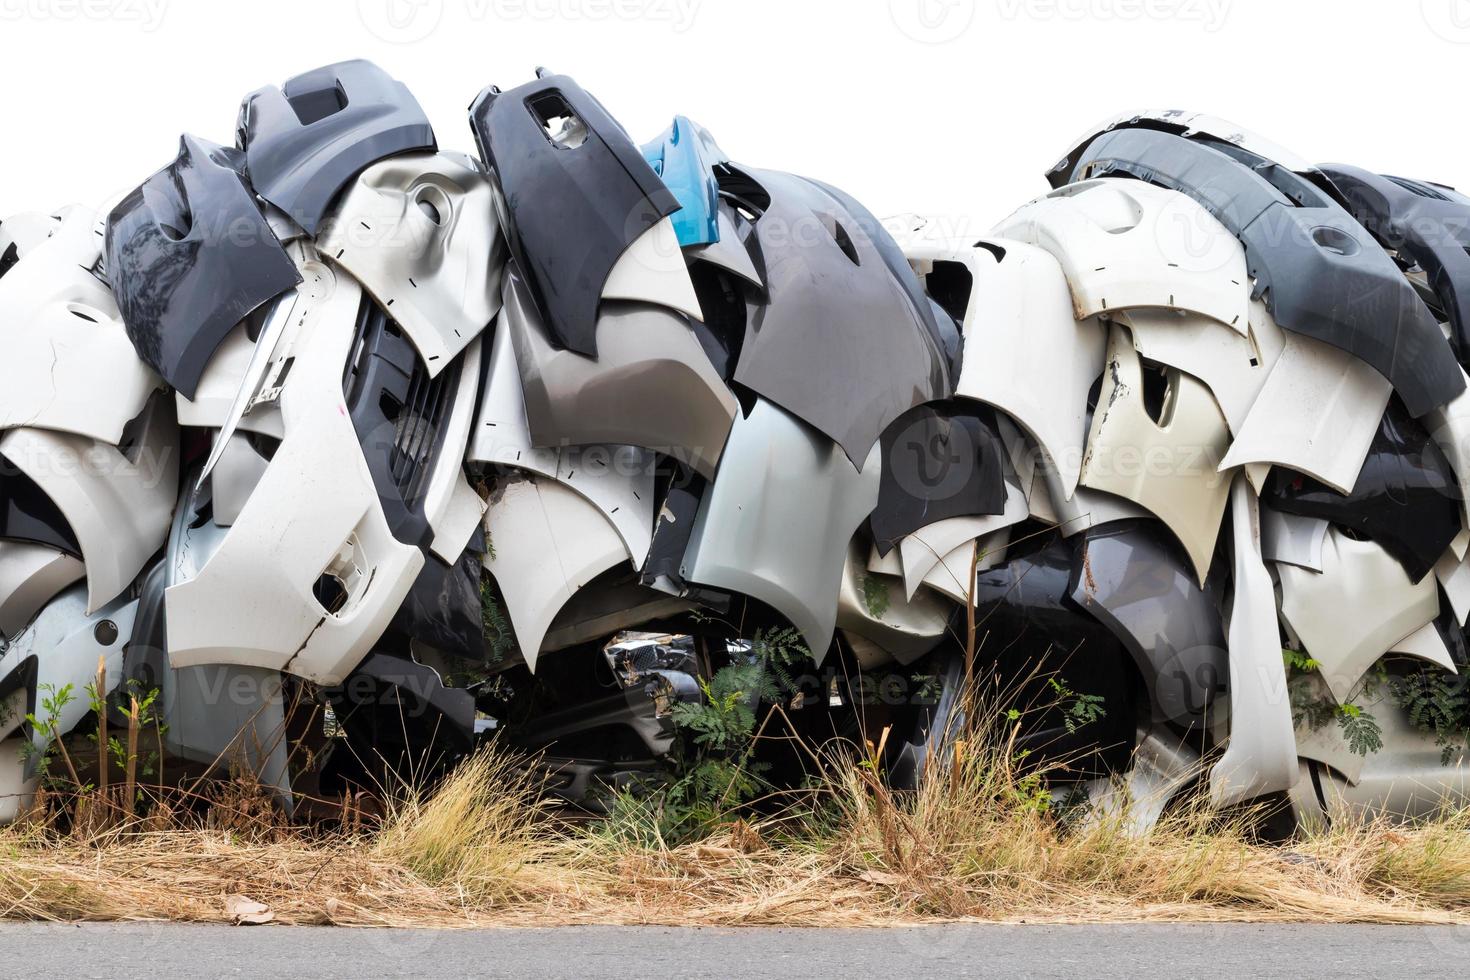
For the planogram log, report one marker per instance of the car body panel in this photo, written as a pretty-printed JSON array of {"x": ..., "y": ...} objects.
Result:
[
  {"x": 189, "y": 256},
  {"x": 235, "y": 478},
  {"x": 684, "y": 156},
  {"x": 1162, "y": 766},
  {"x": 1316, "y": 414},
  {"x": 413, "y": 425},
  {"x": 1183, "y": 122},
  {"x": 66, "y": 644},
  {"x": 119, "y": 507},
  {"x": 307, "y": 139},
  {"x": 1408, "y": 778},
  {"x": 547, "y": 542},
  {"x": 923, "y": 549},
  {"x": 1321, "y": 273},
  {"x": 54, "y": 311},
  {"x": 1133, "y": 580},
  {"x": 1449, "y": 427},
  {"x": 1292, "y": 539},
  {"x": 574, "y": 205},
  {"x": 1234, "y": 366},
  {"x": 1018, "y": 327},
  {"x": 776, "y": 525},
  {"x": 1165, "y": 466},
  {"x": 618, "y": 480},
  {"x": 653, "y": 270},
  {"x": 939, "y": 461},
  {"x": 1430, "y": 225},
  {"x": 949, "y": 575},
  {"x": 31, "y": 575},
  {"x": 1405, "y": 497},
  {"x": 729, "y": 252},
  {"x": 651, "y": 384},
  {"x": 315, "y": 518},
  {"x": 1125, "y": 244},
  {"x": 872, "y": 607},
  {"x": 1260, "y": 756},
  {"x": 838, "y": 341},
  {"x": 214, "y": 398},
  {"x": 419, "y": 232},
  {"x": 1454, "y": 578},
  {"x": 1355, "y": 610}
]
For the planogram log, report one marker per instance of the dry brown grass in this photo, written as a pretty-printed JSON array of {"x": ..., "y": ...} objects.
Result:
[{"x": 972, "y": 844}]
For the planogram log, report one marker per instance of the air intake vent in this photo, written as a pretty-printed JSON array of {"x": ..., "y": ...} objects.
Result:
[{"x": 400, "y": 414}]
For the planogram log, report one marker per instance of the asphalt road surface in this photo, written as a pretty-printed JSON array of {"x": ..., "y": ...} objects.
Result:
[{"x": 1074, "y": 952}]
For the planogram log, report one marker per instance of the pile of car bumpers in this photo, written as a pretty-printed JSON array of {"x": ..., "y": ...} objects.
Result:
[{"x": 305, "y": 419}]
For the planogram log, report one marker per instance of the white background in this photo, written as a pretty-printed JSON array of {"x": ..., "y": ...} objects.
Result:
[{"x": 949, "y": 107}]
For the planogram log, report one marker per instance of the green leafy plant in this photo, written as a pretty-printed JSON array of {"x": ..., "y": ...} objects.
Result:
[
  {"x": 1359, "y": 729},
  {"x": 500, "y": 640},
  {"x": 1078, "y": 710},
  {"x": 714, "y": 772},
  {"x": 875, "y": 595},
  {"x": 1437, "y": 704},
  {"x": 1315, "y": 708},
  {"x": 45, "y": 740}
]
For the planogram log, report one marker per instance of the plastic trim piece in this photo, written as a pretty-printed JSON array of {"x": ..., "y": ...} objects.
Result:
[
  {"x": 1404, "y": 497},
  {"x": 869, "y": 608},
  {"x": 1125, "y": 244},
  {"x": 1316, "y": 414},
  {"x": 66, "y": 644},
  {"x": 549, "y": 542},
  {"x": 617, "y": 480},
  {"x": 189, "y": 255},
  {"x": 1164, "y": 464},
  {"x": 776, "y": 525},
  {"x": 1355, "y": 610},
  {"x": 1234, "y": 366},
  {"x": 315, "y": 521},
  {"x": 420, "y": 233},
  {"x": 844, "y": 341},
  {"x": 1429, "y": 224},
  {"x": 940, "y": 461},
  {"x": 55, "y": 312},
  {"x": 1320, "y": 272},
  {"x": 1130, "y": 578},
  {"x": 31, "y": 575},
  {"x": 1018, "y": 328},
  {"x": 651, "y": 385},
  {"x": 304, "y": 141},
  {"x": 118, "y": 504},
  {"x": 1259, "y": 757},
  {"x": 684, "y": 157},
  {"x": 575, "y": 199}
]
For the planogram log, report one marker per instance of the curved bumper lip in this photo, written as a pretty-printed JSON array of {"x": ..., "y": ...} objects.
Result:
[
  {"x": 305, "y": 141},
  {"x": 420, "y": 233},
  {"x": 1321, "y": 273},
  {"x": 189, "y": 256},
  {"x": 776, "y": 524}
]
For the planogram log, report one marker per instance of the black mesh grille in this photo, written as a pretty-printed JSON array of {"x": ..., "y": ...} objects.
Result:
[{"x": 400, "y": 414}]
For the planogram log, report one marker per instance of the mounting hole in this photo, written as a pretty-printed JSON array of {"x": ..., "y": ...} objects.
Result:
[{"x": 1334, "y": 240}]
